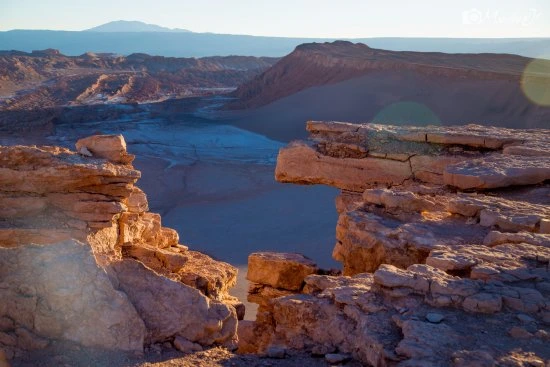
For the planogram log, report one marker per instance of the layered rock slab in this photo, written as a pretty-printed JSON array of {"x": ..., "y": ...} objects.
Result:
[
  {"x": 355, "y": 157},
  {"x": 55, "y": 194},
  {"x": 499, "y": 170}
]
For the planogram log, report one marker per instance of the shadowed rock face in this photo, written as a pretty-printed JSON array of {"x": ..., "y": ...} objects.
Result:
[
  {"x": 128, "y": 281},
  {"x": 317, "y": 64},
  {"x": 445, "y": 262}
]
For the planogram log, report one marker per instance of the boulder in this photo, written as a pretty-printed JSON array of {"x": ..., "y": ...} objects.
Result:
[
  {"x": 58, "y": 291},
  {"x": 171, "y": 308},
  {"x": 279, "y": 270},
  {"x": 110, "y": 147}
]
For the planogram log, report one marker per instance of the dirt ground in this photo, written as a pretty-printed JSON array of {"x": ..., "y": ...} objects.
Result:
[{"x": 65, "y": 355}]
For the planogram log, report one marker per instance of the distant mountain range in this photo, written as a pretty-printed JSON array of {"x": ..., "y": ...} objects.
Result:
[
  {"x": 132, "y": 26},
  {"x": 127, "y": 37}
]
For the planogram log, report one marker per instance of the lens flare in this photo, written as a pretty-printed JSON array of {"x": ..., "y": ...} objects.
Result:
[
  {"x": 403, "y": 113},
  {"x": 535, "y": 82}
]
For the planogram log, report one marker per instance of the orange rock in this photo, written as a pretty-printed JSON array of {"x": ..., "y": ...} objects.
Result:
[
  {"x": 279, "y": 270},
  {"x": 110, "y": 147}
]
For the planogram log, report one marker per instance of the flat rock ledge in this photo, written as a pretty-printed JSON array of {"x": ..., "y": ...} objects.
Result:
[
  {"x": 443, "y": 233},
  {"x": 83, "y": 260},
  {"x": 356, "y": 157}
]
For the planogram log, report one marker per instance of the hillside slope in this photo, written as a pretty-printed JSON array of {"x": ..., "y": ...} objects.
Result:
[
  {"x": 318, "y": 64},
  {"x": 352, "y": 82}
]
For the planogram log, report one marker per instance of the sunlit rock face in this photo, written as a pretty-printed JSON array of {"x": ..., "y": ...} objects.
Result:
[
  {"x": 443, "y": 237},
  {"x": 58, "y": 291},
  {"x": 51, "y": 196}
]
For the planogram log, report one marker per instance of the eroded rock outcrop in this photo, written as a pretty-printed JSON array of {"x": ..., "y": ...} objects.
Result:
[
  {"x": 84, "y": 260},
  {"x": 444, "y": 241},
  {"x": 422, "y": 208}
]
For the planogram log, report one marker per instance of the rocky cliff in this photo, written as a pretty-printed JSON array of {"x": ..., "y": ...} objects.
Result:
[
  {"x": 83, "y": 260},
  {"x": 444, "y": 237}
]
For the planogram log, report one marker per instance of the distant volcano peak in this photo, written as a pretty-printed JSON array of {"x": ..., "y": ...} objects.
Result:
[{"x": 132, "y": 26}]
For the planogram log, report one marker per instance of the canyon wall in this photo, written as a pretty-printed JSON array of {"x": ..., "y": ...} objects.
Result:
[
  {"x": 82, "y": 259},
  {"x": 444, "y": 237}
]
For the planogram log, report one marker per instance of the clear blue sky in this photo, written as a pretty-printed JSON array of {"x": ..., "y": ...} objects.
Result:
[{"x": 305, "y": 18}]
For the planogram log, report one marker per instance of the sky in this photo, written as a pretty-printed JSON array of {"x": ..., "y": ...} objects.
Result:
[{"x": 294, "y": 18}]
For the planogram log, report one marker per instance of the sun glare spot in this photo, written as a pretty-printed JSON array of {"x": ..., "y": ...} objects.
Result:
[{"x": 535, "y": 82}]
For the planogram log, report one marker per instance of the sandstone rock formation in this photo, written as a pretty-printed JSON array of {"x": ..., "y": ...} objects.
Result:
[
  {"x": 82, "y": 258},
  {"x": 444, "y": 241}
]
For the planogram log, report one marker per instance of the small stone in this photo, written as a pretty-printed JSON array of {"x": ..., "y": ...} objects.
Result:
[
  {"x": 519, "y": 333},
  {"x": 186, "y": 346},
  {"x": 155, "y": 348},
  {"x": 167, "y": 345},
  {"x": 321, "y": 350},
  {"x": 434, "y": 318},
  {"x": 7, "y": 339},
  {"x": 525, "y": 318},
  {"x": 3, "y": 359},
  {"x": 6, "y": 324},
  {"x": 276, "y": 352},
  {"x": 110, "y": 147},
  {"x": 336, "y": 357},
  {"x": 543, "y": 334},
  {"x": 84, "y": 151}
]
